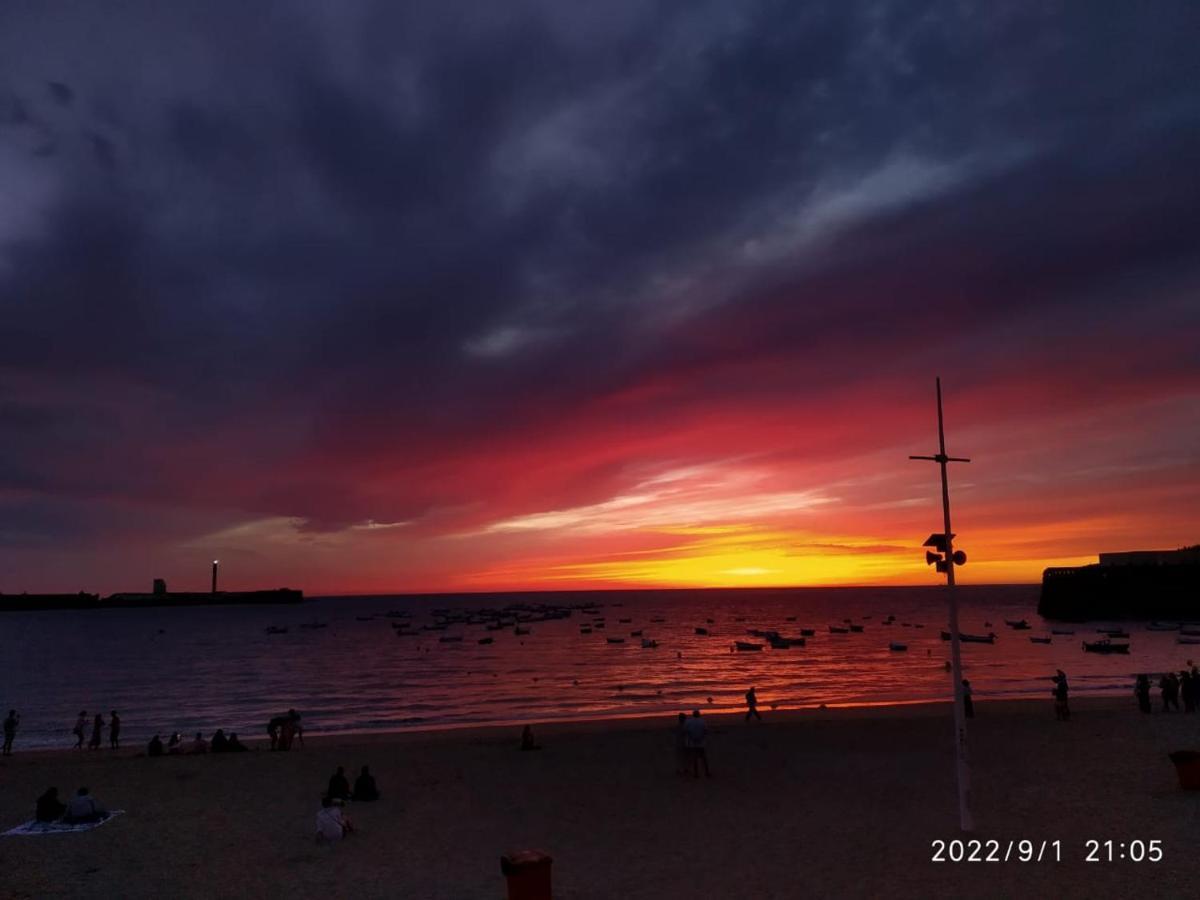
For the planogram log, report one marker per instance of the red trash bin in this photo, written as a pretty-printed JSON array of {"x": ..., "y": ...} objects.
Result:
[
  {"x": 528, "y": 874},
  {"x": 1187, "y": 766}
]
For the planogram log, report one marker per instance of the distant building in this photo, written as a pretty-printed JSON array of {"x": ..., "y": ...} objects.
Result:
[{"x": 1182, "y": 556}]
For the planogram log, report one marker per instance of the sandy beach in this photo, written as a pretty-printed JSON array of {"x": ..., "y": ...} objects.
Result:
[{"x": 825, "y": 803}]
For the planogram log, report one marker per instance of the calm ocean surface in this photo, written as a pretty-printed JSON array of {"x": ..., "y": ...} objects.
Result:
[{"x": 194, "y": 669}]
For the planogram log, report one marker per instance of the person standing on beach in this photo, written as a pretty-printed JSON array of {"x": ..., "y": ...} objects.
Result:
[
  {"x": 114, "y": 731},
  {"x": 1141, "y": 690},
  {"x": 697, "y": 733},
  {"x": 97, "y": 729},
  {"x": 752, "y": 705},
  {"x": 968, "y": 703},
  {"x": 10, "y": 731},
  {"x": 1187, "y": 690},
  {"x": 80, "y": 729},
  {"x": 1062, "y": 709}
]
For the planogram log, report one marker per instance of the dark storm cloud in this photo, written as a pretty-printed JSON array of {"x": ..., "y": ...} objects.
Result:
[{"x": 265, "y": 254}]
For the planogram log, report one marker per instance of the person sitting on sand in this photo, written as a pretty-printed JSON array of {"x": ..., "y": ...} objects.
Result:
[
  {"x": 219, "y": 743},
  {"x": 339, "y": 786},
  {"x": 97, "y": 729},
  {"x": 199, "y": 745},
  {"x": 696, "y": 733},
  {"x": 527, "y": 741},
  {"x": 332, "y": 824},
  {"x": 365, "y": 789},
  {"x": 49, "y": 807},
  {"x": 155, "y": 747},
  {"x": 80, "y": 729},
  {"x": 84, "y": 808},
  {"x": 233, "y": 745}
]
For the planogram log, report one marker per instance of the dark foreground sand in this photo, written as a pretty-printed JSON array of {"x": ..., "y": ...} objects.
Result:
[{"x": 838, "y": 803}]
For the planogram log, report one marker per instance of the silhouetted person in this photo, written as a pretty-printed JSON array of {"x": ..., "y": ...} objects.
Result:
[
  {"x": 1141, "y": 690},
  {"x": 10, "y": 731},
  {"x": 1062, "y": 708},
  {"x": 234, "y": 745},
  {"x": 968, "y": 703},
  {"x": 339, "y": 786},
  {"x": 1187, "y": 689},
  {"x": 365, "y": 789},
  {"x": 49, "y": 807},
  {"x": 80, "y": 729},
  {"x": 682, "y": 760},
  {"x": 1169, "y": 686},
  {"x": 84, "y": 808},
  {"x": 696, "y": 733},
  {"x": 332, "y": 824},
  {"x": 97, "y": 732},
  {"x": 752, "y": 705},
  {"x": 155, "y": 747},
  {"x": 175, "y": 743},
  {"x": 527, "y": 740},
  {"x": 199, "y": 745},
  {"x": 219, "y": 743},
  {"x": 114, "y": 731}
]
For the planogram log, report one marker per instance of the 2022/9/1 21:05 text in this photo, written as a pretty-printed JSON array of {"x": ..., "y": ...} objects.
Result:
[{"x": 1025, "y": 850}]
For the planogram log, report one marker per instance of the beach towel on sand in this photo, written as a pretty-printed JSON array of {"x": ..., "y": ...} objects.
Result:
[{"x": 34, "y": 827}]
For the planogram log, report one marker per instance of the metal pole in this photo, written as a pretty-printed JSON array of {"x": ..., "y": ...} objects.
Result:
[{"x": 960, "y": 721}]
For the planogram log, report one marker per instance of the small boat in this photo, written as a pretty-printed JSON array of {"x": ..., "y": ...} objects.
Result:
[
  {"x": 637, "y": 633},
  {"x": 450, "y": 639},
  {"x": 838, "y": 629},
  {"x": 847, "y": 621},
  {"x": 702, "y": 631},
  {"x": 1061, "y": 631},
  {"x": 1113, "y": 632},
  {"x": 778, "y": 643},
  {"x": 616, "y": 640},
  {"x": 658, "y": 621},
  {"x": 1190, "y": 631},
  {"x": 277, "y": 629},
  {"x": 486, "y": 640},
  {"x": 585, "y": 630},
  {"x": 1104, "y": 646},
  {"x": 790, "y": 619},
  {"x": 624, "y": 621},
  {"x": 856, "y": 628},
  {"x": 649, "y": 643},
  {"x": 1184, "y": 639},
  {"x": 897, "y": 647},
  {"x": 746, "y": 647},
  {"x": 989, "y": 638},
  {"x": 518, "y": 630},
  {"x": 711, "y": 621},
  {"x": 1039, "y": 640},
  {"x": 1020, "y": 625},
  {"x": 808, "y": 632},
  {"x": 597, "y": 624},
  {"x": 1164, "y": 626}
]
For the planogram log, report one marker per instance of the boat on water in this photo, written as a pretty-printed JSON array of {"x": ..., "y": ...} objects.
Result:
[
  {"x": 1062, "y": 631},
  {"x": 703, "y": 632},
  {"x": 989, "y": 638},
  {"x": 1190, "y": 631},
  {"x": 1164, "y": 626},
  {"x": 637, "y": 633},
  {"x": 616, "y": 640},
  {"x": 790, "y": 619},
  {"x": 585, "y": 630},
  {"x": 649, "y": 643},
  {"x": 838, "y": 629},
  {"x": 486, "y": 640},
  {"x": 897, "y": 647},
  {"x": 1018, "y": 625},
  {"x": 1183, "y": 639},
  {"x": 624, "y": 621},
  {"x": 808, "y": 632},
  {"x": 746, "y": 646},
  {"x": 1104, "y": 646},
  {"x": 1039, "y": 640},
  {"x": 856, "y": 628},
  {"x": 1113, "y": 632},
  {"x": 778, "y": 643},
  {"x": 518, "y": 630}
]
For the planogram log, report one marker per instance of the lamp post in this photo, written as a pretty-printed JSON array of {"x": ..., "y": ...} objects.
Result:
[
  {"x": 946, "y": 558},
  {"x": 214, "y": 578}
]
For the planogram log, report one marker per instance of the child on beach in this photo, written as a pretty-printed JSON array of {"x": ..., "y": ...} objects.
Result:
[
  {"x": 332, "y": 825},
  {"x": 1062, "y": 711},
  {"x": 84, "y": 808}
]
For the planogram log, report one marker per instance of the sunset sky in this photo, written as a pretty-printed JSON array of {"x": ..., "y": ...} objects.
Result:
[{"x": 466, "y": 296}]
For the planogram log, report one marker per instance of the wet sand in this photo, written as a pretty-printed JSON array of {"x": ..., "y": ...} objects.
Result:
[{"x": 811, "y": 803}]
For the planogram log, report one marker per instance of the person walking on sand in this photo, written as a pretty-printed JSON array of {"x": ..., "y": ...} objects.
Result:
[
  {"x": 1062, "y": 709},
  {"x": 114, "y": 731},
  {"x": 80, "y": 729},
  {"x": 10, "y": 730},
  {"x": 697, "y": 734},
  {"x": 1141, "y": 690},
  {"x": 968, "y": 703},
  {"x": 752, "y": 705},
  {"x": 97, "y": 730}
]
